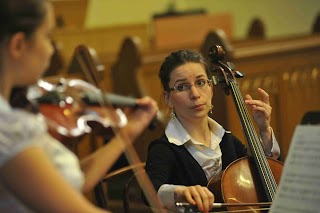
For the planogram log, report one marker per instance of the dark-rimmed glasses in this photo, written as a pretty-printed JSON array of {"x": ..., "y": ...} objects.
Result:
[{"x": 183, "y": 87}]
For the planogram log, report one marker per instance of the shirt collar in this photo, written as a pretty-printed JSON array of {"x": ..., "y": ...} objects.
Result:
[{"x": 178, "y": 135}]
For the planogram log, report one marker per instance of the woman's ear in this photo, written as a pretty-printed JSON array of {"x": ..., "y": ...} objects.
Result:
[{"x": 17, "y": 45}]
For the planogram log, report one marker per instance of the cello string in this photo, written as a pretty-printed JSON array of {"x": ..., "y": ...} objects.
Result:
[
  {"x": 264, "y": 167},
  {"x": 251, "y": 137},
  {"x": 268, "y": 172},
  {"x": 246, "y": 122},
  {"x": 255, "y": 143}
]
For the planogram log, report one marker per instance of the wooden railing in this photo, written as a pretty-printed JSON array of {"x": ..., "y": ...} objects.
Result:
[
  {"x": 188, "y": 29},
  {"x": 288, "y": 69},
  {"x": 107, "y": 41}
]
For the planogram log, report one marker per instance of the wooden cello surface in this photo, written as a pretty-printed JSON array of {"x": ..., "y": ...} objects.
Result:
[{"x": 239, "y": 183}]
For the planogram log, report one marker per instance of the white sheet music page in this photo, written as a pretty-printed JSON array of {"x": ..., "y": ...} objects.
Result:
[{"x": 299, "y": 187}]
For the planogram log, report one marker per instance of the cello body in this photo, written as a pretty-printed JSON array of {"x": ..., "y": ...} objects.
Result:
[{"x": 239, "y": 183}]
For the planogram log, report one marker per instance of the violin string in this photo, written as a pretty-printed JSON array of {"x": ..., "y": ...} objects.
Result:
[{"x": 255, "y": 145}]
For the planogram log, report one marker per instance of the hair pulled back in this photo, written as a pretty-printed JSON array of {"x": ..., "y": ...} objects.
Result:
[
  {"x": 176, "y": 59},
  {"x": 20, "y": 16}
]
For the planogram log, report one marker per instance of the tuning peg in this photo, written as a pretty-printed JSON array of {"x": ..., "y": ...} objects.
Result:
[
  {"x": 238, "y": 74},
  {"x": 230, "y": 65},
  {"x": 215, "y": 80}
]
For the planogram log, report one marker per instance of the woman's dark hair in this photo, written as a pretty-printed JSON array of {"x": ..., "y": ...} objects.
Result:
[
  {"x": 179, "y": 58},
  {"x": 20, "y": 16}
]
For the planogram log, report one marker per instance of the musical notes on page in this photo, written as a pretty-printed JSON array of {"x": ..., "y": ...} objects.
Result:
[{"x": 299, "y": 187}]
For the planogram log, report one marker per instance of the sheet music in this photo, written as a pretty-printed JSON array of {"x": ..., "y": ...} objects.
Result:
[{"x": 299, "y": 187}]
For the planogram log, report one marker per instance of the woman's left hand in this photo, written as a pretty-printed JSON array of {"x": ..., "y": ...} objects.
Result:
[{"x": 261, "y": 110}]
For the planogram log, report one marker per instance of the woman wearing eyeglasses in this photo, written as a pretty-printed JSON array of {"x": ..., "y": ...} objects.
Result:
[{"x": 195, "y": 148}]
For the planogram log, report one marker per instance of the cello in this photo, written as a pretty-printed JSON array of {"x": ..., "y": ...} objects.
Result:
[{"x": 251, "y": 181}]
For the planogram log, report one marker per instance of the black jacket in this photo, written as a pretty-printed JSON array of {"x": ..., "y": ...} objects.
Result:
[{"x": 168, "y": 163}]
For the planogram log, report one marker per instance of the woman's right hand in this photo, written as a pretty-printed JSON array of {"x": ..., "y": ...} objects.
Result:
[{"x": 199, "y": 196}]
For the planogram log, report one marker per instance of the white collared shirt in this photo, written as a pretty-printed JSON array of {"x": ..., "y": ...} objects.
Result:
[{"x": 208, "y": 158}]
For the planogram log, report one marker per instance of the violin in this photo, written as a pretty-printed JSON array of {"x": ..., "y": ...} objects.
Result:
[
  {"x": 73, "y": 108},
  {"x": 251, "y": 179}
]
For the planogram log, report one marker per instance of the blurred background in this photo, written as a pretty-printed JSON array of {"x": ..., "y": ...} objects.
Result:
[{"x": 281, "y": 18}]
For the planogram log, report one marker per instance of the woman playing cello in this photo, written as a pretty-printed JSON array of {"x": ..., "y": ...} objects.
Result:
[{"x": 195, "y": 148}]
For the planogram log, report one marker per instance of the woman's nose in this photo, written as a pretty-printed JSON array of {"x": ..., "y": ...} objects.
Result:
[{"x": 194, "y": 92}]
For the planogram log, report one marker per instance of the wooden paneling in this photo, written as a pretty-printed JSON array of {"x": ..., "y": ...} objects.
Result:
[
  {"x": 105, "y": 41},
  {"x": 288, "y": 69},
  {"x": 189, "y": 29},
  {"x": 70, "y": 13}
]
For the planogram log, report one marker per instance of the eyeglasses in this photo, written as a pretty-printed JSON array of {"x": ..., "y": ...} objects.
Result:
[{"x": 200, "y": 84}]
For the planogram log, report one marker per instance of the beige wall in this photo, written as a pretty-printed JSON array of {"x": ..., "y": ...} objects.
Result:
[{"x": 281, "y": 17}]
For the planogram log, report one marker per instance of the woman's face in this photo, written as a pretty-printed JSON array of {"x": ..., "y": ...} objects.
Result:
[
  {"x": 38, "y": 51},
  {"x": 192, "y": 102}
]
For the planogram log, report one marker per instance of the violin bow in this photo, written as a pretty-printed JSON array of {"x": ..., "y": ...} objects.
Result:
[{"x": 84, "y": 59}]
